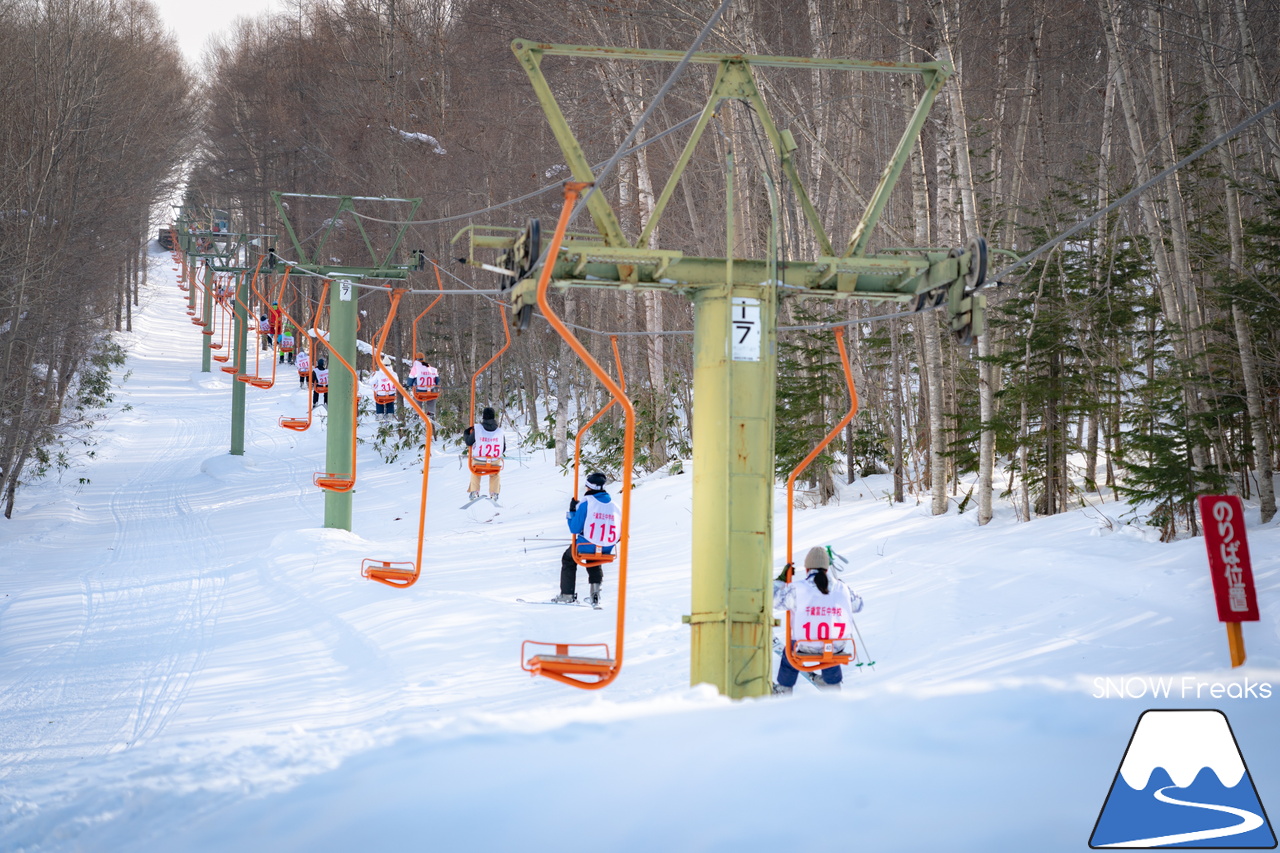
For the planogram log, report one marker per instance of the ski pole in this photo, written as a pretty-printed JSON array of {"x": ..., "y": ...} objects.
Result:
[{"x": 862, "y": 645}]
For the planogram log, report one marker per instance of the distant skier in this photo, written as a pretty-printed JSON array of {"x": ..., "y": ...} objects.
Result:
[
  {"x": 287, "y": 344},
  {"x": 417, "y": 371},
  {"x": 275, "y": 317},
  {"x": 384, "y": 395},
  {"x": 303, "y": 364},
  {"x": 320, "y": 383},
  {"x": 423, "y": 377},
  {"x": 596, "y": 525},
  {"x": 488, "y": 445},
  {"x": 822, "y": 609}
]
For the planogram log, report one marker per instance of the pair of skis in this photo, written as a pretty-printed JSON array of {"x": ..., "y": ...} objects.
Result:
[
  {"x": 474, "y": 501},
  {"x": 563, "y": 603}
]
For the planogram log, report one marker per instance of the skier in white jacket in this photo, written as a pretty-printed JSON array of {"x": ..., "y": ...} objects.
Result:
[{"x": 822, "y": 608}]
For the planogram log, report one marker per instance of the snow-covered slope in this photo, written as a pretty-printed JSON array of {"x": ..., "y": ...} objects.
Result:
[{"x": 189, "y": 661}]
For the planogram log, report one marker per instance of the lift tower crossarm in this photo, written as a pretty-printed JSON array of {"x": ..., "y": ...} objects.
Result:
[
  {"x": 933, "y": 81},
  {"x": 379, "y": 266},
  {"x": 709, "y": 58},
  {"x": 530, "y": 57}
]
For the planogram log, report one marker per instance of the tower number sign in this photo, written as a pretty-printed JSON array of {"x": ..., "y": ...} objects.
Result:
[{"x": 746, "y": 332}]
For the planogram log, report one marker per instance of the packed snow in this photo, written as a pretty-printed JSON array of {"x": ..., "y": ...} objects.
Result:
[{"x": 190, "y": 661}]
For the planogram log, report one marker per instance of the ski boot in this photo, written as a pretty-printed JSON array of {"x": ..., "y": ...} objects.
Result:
[
  {"x": 594, "y": 598},
  {"x": 565, "y": 598}
]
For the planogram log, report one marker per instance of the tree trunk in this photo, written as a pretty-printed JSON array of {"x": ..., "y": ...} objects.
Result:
[{"x": 1235, "y": 235}]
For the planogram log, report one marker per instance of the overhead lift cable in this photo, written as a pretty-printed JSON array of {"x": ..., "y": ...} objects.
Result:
[
  {"x": 457, "y": 217},
  {"x": 600, "y": 177},
  {"x": 1135, "y": 192},
  {"x": 1073, "y": 230}
]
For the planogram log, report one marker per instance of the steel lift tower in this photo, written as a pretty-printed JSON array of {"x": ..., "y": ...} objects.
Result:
[{"x": 735, "y": 320}]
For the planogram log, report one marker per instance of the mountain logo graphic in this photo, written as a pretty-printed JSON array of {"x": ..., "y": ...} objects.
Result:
[{"x": 1182, "y": 783}]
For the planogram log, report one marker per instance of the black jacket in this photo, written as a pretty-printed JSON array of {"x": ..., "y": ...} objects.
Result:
[{"x": 469, "y": 434}]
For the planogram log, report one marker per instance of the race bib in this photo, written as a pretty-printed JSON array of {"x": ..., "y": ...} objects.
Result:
[
  {"x": 601, "y": 525},
  {"x": 487, "y": 448}
]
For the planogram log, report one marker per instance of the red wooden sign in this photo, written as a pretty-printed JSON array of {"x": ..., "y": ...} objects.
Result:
[{"x": 1224, "y": 536}]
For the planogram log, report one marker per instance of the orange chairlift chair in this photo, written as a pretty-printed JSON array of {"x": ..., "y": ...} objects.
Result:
[
  {"x": 284, "y": 347},
  {"x": 194, "y": 314},
  {"x": 238, "y": 369},
  {"x": 219, "y": 318},
  {"x": 566, "y": 663},
  {"x": 256, "y": 379},
  {"x": 827, "y": 658},
  {"x": 401, "y": 574},
  {"x": 188, "y": 277},
  {"x": 330, "y": 481},
  {"x": 227, "y": 318},
  {"x": 208, "y": 329},
  {"x": 485, "y": 467},
  {"x": 262, "y": 381},
  {"x": 426, "y": 395},
  {"x": 303, "y": 424},
  {"x": 597, "y": 559},
  {"x": 190, "y": 281},
  {"x": 228, "y": 324}
]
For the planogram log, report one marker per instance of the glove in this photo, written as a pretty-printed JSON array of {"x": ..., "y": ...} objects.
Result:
[
  {"x": 788, "y": 568},
  {"x": 573, "y": 505}
]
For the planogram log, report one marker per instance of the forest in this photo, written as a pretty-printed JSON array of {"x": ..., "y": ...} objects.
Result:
[{"x": 1137, "y": 360}]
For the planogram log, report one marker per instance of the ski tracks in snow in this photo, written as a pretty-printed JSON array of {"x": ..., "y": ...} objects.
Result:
[{"x": 133, "y": 629}]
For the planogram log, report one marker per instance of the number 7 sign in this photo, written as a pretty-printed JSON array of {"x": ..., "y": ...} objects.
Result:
[{"x": 746, "y": 333}]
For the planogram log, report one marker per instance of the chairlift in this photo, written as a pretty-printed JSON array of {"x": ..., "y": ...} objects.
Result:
[
  {"x": 401, "y": 574},
  {"x": 329, "y": 481},
  {"x": 221, "y": 315},
  {"x": 429, "y": 393},
  {"x": 256, "y": 379},
  {"x": 262, "y": 381},
  {"x": 207, "y": 327},
  {"x": 588, "y": 666},
  {"x": 303, "y": 424},
  {"x": 827, "y": 658},
  {"x": 599, "y": 558},
  {"x": 484, "y": 467}
]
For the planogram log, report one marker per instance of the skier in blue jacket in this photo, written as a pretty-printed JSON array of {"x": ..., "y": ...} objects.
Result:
[{"x": 595, "y": 523}]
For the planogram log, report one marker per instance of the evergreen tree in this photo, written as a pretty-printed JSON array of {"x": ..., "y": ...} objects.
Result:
[{"x": 811, "y": 398}]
